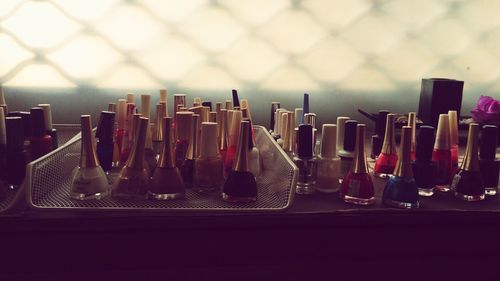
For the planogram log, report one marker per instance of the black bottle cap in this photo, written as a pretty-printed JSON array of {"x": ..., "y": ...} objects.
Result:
[
  {"x": 38, "y": 121},
  {"x": 26, "y": 124},
  {"x": 207, "y": 103},
  {"x": 305, "y": 141},
  {"x": 274, "y": 107},
  {"x": 381, "y": 122},
  {"x": 236, "y": 100},
  {"x": 106, "y": 126},
  {"x": 425, "y": 143},
  {"x": 15, "y": 133},
  {"x": 350, "y": 135},
  {"x": 488, "y": 146}
]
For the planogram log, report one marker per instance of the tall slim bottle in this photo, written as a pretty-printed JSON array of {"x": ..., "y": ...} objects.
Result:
[
  {"x": 183, "y": 132},
  {"x": 453, "y": 120},
  {"x": 134, "y": 180},
  {"x": 386, "y": 161},
  {"x": 401, "y": 191},
  {"x": 468, "y": 183},
  {"x": 89, "y": 179},
  {"x": 233, "y": 139},
  {"x": 240, "y": 185},
  {"x": 488, "y": 163},
  {"x": 167, "y": 182},
  {"x": 121, "y": 131},
  {"x": 187, "y": 167},
  {"x": 223, "y": 139},
  {"x": 357, "y": 187},
  {"x": 412, "y": 122},
  {"x": 442, "y": 154},
  {"x": 158, "y": 132}
]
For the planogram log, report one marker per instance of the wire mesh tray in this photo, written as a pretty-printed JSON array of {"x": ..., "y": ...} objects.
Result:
[{"x": 49, "y": 183}]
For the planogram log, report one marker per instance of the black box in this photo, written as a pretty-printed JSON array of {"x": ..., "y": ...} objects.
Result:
[{"x": 437, "y": 96}]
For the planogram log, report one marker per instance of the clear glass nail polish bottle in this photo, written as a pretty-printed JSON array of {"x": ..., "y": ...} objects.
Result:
[
  {"x": 305, "y": 160},
  {"x": 357, "y": 186},
  {"x": 488, "y": 163},
  {"x": 386, "y": 161},
  {"x": 329, "y": 172},
  {"x": 134, "y": 179},
  {"x": 424, "y": 169},
  {"x": 89, "y": 180},
  {"x": 240, "y": 185},
  {"x": 401, "y": 191},
  {"x": 468, "y": 183},
  {"x": 167, "y": 182},
  {"x": 209, "y": 167}
]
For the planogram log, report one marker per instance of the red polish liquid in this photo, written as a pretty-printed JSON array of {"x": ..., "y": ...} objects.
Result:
[
  {"x": 119, "y": 135},
  {"x": 454, "y": 158},
  {"x": 229, "y": 158},
  {"x": 385, "y": 163},
  {"x": 442, "y": 157},
  {"x": 40, "y": 146},
  {"x": 358, "y": 188}
]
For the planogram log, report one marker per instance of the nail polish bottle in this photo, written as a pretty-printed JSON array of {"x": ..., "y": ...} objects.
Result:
[
  {"x": 149, "y": 153},
  {"x": 274, "y": 106},
  {"x": 188, "y": 165},
  {"x": 158, "y": 132},
  {"x": 227, "y": 104},
  {"x": 277, "y": 124},
  {"x": 26, "y": 129},
  {"x": 163, "y": 101},
  {"x": 3, "y": 145},
  {"x": 340, "y": 132},
  {"x": 305, "y": 106},
  {"x": 328, "y": 174},
  {"x": 254, "y": 161},
  {"x": 112, "y": 107},
  {"x": 223, "y": 134},
  {"x": 310, "y": 118},
  {"x": 236, "y": 100},
  {"x": 121, "y": 131},
  {"x": 40, "y": 142},
  {"x": 299, "y": 114},
  {"x": 209, "y": 167},
  {"x": 468, "y": 183},
  {"x": 488, "y": 163},
  {"x": 424, "y": 169},
  {"x": 378, "y": 138},
  {"x": 130, "y": 98},
  {"x": 401, "y": 191},
  {"x": 412, "y": 122},
  {"x": 386, "y": 161},
  {"x": 288, "y": 141},
  {"x": 16, "y": 157},
  {"x": 167, "y": 182},
  {"x": 442, "y": 154},
  {"x": 453, "y": 121},
  {"x": 347, "y": 152},
  {"x": 357, "y": 186},
  {"x": 305, "y": 160},
  {"x": 128, "y": 133},
  {"x": 233, "y": 140},
  {"x": 183, "y": 129},
  {"x": 104, "y": 136},
  {"x": 48, "y": 124},
  {"x": 240, "y": 185},
  {"x": 89, "y": 180},
  {"x": 134, "y": 180}
]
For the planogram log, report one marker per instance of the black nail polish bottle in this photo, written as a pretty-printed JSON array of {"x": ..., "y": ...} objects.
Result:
[
  {"x": 104, "y": 136},
  {"x": 488, "y": 164},
  {"x": 16, "y": 158},
  {"x": 424, "y": 169}
]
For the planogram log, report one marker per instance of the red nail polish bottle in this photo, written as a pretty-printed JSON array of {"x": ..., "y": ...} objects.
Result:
[
  {"x": 357, "y": 187},
  {"x": 41, "y": 142},
  {"x": 453, "y": 121},
  {"x": 442, "y": 154},
  {"x": 387, "y": 159},
  {"x": 412, "y": 122}
]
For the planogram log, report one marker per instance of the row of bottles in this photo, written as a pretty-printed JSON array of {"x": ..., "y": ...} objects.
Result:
[
  {"x": 208, "y": 151},
  {"x": 419, "y": 167},
  {"x": 24, "y": 136}
]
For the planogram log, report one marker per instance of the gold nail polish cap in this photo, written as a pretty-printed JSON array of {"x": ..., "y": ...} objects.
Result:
[
  {"x": 163, "y": 95},
  {"x": 112, "y": 107},
  {"x": 245, "y": 107},
  {"x": 228, "y": 104},
  {"x": 167, "y": 159},
  {"x": 329, "y": 141},
  {"x": 241, "y": 160},
  {"x": 223, "y": 130},
  {"x": 412, "y": 122},
  {"x": 471, "y": 157},
  {"x": 212, "y": 117},
  {"x": 183, "y": 125},
  {"x": 192, "y": 150},
  {"x": 360, "y": 166},
  {"x": 288, "y": 141},
  {"x": 130, "y": 98},
  {"x": 403, "y": 166},
  {"x": 389, "y": 145},
  {"x": 179, "y": 99},
  {"x": 205, "y": 114},
  {"x": 160, "y": 114},
  {"x": 196, "y": 101},
  {"x": 310, "y": 118},
  {"x": 134, "y": 122},
  {"x": 209, "y": 147},
  {"x": 453, "y": 120},
  {"x": 235, "y": 127},
  {"x": 122, "y": 112},
  {"x": 443, "y": 133},
  {"x": 88, "y": 156},
  {"x": 136, "y": 157}
]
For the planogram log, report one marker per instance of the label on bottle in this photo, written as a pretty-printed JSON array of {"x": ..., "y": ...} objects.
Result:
[{"x": 353, "y": 189}]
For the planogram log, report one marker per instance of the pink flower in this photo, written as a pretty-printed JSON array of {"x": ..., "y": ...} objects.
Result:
[{"x": 487, "y": 110}]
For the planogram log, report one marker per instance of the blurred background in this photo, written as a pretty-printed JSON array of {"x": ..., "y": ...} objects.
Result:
[{"x": 348, "y": 54}]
